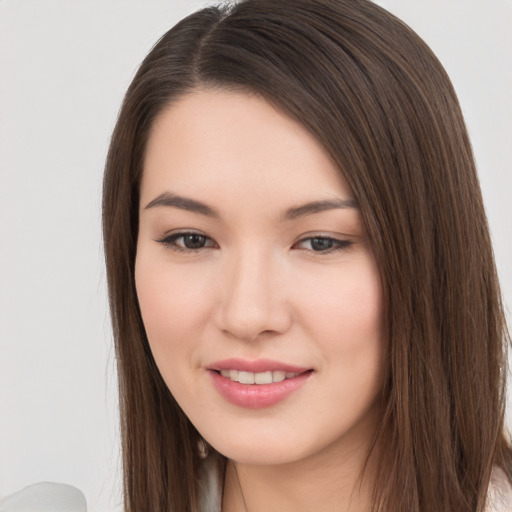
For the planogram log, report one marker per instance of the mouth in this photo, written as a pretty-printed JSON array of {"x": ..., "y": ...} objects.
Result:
[
  {"x": 258, "y": 378},
  {"x": 257, "y": 384}
]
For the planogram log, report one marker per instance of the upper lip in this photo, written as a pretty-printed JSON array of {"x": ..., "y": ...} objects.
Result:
[{"x": 257, "y": 366}]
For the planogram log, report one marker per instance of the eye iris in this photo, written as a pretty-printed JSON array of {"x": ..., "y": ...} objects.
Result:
[
  {"x": 321, "y": 244},
  {"x": 193, "y": 241}
]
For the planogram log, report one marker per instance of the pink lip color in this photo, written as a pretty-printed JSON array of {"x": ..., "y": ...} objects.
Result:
[
  {"x": 256, "y": 396},
  {"x": 261, "y": 365}
]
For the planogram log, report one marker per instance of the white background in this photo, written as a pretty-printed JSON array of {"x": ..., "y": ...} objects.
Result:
[{"x": 64, "y": 67}]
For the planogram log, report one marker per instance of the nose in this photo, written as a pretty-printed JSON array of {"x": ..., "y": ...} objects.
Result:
[{"x": 253, "y": 299}]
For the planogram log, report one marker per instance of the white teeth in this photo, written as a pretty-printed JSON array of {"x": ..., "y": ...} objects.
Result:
[
  {"x": 257, "y": 378},
  {"x": 263, "y": 378},
  {"x": 246, "y": 377},
  {"x": 278, "y": 376}
]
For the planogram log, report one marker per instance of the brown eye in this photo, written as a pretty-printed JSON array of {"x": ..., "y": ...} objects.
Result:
[
  {"x": 323, "y": 244},
  {"x": 193, "y": 241},
  {"x": 187, "y": 241}
]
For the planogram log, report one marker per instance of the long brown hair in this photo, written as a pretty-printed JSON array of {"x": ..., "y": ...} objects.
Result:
[{"x": 383, "y": 107}]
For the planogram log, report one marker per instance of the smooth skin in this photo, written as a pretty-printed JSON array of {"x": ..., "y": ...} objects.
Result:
[{"x": 224, "y": 272}]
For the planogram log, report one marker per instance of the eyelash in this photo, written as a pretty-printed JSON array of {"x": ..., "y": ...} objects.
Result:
[{"x": 170, "y": 243}]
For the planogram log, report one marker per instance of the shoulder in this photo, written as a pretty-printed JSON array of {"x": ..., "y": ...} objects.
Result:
[
  {"x": 499, "y": 496},
  {"x": 209, "y": 487}
]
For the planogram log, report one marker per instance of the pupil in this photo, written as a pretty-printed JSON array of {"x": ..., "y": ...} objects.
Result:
[
  {"x": 321, "y": 244},
  {"x": 193, "y": 241}
]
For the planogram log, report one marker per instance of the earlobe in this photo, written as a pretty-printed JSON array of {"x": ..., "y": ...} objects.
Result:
[{"x": 203, "y": 448}]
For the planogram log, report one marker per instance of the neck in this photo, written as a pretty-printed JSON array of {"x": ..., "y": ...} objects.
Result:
[{"x": 332, "y": 480}]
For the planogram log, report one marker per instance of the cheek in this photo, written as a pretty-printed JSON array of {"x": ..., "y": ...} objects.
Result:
[
  {"x": 173, "y": 307},
  {"x": 345, "y": 307},
  {"x": 345, "y": 318}
]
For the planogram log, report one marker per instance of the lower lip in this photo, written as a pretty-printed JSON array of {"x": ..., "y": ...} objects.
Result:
[{"x": 257, "y": 396}]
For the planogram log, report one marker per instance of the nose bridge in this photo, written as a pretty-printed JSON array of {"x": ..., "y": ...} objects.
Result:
[{"x": 252, "y": 303}]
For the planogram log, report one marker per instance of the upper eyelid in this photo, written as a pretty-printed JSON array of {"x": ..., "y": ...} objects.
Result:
[
  {"x": 326, "y": 237},
  {"x": 178, "y": 234},
  {"x": 322, "y": 234},
  {"x": 172, "y": 236},
  {"x": 306, "y": 236}
]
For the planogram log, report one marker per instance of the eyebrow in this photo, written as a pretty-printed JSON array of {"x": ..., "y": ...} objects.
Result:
[
  {"x": 319, "y": 206},
  {"x": 184, "y": 203},
  {"x": 167, "y": 199}
]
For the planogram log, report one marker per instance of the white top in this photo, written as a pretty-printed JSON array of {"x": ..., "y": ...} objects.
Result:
[
  {"x": 499, "y": 497},
  {"x": 52, "y": 497}
]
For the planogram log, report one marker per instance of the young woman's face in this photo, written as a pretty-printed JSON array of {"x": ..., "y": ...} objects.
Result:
[{"x": 256, "y": 281}]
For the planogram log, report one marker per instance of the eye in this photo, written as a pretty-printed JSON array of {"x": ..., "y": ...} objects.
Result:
[
  {"x": 187, "y": 241},
  {"x": 323, "y": 244}
]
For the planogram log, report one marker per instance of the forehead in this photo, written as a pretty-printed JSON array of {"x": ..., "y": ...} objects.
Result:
[{"x": 221, "y": 142}]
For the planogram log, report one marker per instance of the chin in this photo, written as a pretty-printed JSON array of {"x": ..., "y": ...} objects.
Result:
[
  {"x": 266, "y": 445},
  {"x": 260, "y": 454},
  {"x": 267, "y": 441}
]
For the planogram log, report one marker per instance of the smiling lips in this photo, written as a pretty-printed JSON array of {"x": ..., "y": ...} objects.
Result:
[
  {"x": 256, "y": 384},
  {"x": 257, "y": 378}
]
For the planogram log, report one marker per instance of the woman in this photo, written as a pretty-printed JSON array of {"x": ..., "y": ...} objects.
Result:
[{"x": 305, "y": 305}]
